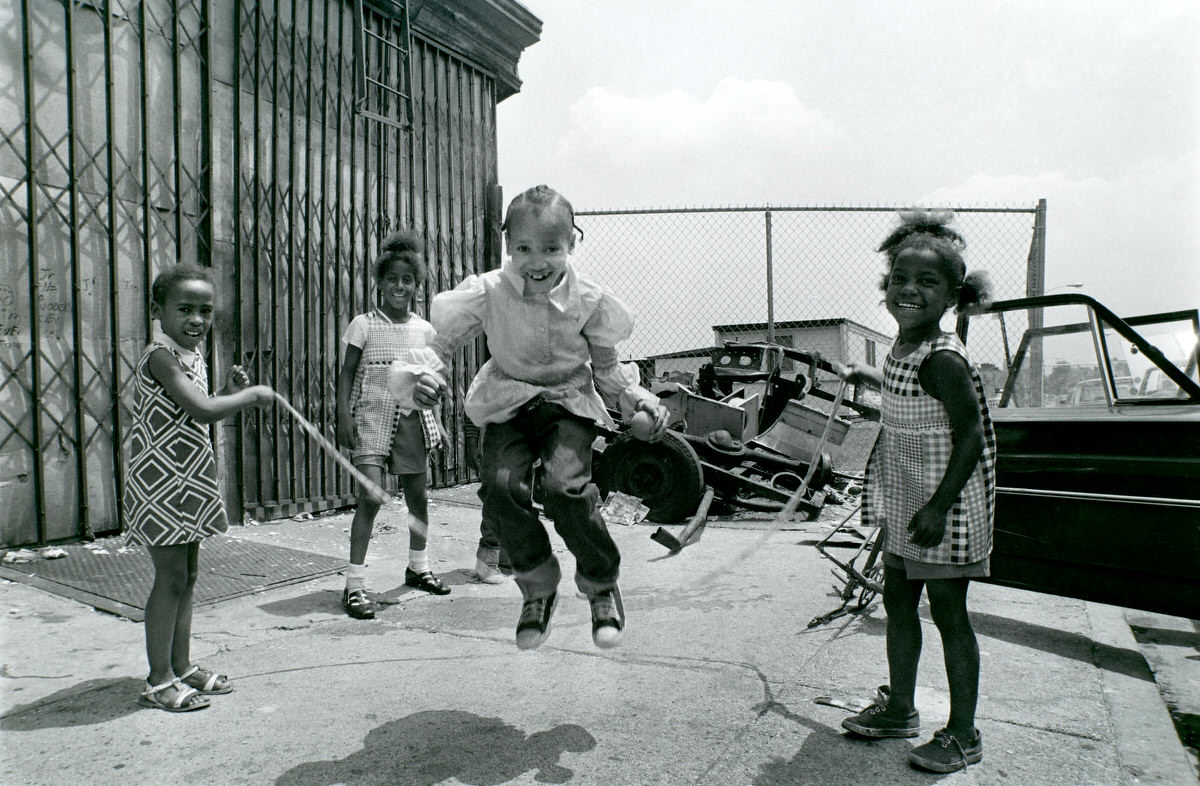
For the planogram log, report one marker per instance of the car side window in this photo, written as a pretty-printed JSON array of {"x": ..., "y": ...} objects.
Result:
[
  {"x": 1038, "y": 358},
  {"x": 1175, "y": 338},
  {"x": 1066, "y": 356}
]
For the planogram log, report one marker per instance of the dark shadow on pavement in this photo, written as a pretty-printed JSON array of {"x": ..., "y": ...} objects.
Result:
[
  {"x": 831, "y": 757},
  {"x": 1166, "y": 636},
  {"x": 319, "y": 602},
  {"x": 92, "y": 701},
  {"x": 430, "y": 747},
  {"x": 1062, "y": 643}
]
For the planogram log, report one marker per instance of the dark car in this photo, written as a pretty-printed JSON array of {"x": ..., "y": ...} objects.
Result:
[{"x": 1098, "y": 469}]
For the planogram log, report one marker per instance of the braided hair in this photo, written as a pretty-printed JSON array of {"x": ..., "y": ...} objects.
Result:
[
  {"x": 929, "y": 230},
  {"x": 540, "y": 199},
  {"x": 401, "y": 249}
]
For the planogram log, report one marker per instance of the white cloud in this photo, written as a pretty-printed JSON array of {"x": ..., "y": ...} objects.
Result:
[
  {"x": 1132, "y": 239},
  {"x": 737, "y": 115},
  {"x": 983, "y": 190}
]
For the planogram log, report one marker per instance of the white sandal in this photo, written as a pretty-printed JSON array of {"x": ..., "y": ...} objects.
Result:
[
  {"x": 206, "y": 686},
  {"x": 185, "y": 700}
]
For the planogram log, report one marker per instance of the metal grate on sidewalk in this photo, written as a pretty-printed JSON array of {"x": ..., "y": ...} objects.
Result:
[{"x": 115, "y": 578}]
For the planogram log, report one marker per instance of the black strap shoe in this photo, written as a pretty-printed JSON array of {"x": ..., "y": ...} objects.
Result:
[
  {"x": 358, "y": 605},
  {"x": 425, "y": 581}
]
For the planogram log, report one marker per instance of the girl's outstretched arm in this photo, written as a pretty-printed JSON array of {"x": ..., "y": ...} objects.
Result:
[
  {"x": 457, "y": 316},
  {"x": 861, "y": 374},
  {"x": 945, "y": 376},
  {"x": 197, "y": 403}
]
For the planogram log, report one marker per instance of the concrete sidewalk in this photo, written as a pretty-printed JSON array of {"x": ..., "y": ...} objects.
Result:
[{"x": 714, "y": 683}]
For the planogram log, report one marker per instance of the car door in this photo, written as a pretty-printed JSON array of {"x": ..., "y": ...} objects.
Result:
[{"x": 1098, "y": 451}]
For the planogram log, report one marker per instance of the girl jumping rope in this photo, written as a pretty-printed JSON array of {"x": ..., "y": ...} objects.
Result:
[
  {"x": 552, "y": 335},
  {"x": 372, "y": 423},
  {"x": 172, "y": 500},
  {"x": 930, "y": 483}
]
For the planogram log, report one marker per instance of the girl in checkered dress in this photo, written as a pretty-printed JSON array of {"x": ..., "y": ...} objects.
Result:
[
  {"x": 372, "y": 424},
  {"x": 172, "y": 500},
  {"x": 930, "y": 483}
]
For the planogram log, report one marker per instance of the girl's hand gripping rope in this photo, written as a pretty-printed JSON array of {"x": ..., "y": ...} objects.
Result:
[
  {"x": 430, "y": 389},
  {"x": 861, "y": 374}
]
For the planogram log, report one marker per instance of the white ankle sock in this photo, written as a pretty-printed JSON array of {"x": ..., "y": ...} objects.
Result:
[
  {"x": 418, "y": 561},
  {"x": 356, "y": 576}
]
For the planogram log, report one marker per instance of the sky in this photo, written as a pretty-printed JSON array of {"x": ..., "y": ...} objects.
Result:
[{"x": 1093, "y": 105}]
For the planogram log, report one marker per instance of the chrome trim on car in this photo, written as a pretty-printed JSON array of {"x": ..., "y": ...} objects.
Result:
[{"x": 1094, "y": 497}]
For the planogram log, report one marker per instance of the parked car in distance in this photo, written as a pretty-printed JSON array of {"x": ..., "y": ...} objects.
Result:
[
  {"x": 1098, "y": 451},
  {"x": 1091, "y": 391}
]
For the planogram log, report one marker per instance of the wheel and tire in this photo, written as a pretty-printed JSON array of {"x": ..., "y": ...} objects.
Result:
[{"x": 666, "y": 475}]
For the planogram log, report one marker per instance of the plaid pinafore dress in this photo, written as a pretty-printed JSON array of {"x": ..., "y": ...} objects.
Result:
[
  {"x": 376, "y": 411},
  {"x": 909, "y": 461},
  {"x": 171, "y": 491}
]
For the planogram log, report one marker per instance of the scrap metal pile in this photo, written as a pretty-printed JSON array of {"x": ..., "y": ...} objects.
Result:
[{"x": 750, "y": 431}]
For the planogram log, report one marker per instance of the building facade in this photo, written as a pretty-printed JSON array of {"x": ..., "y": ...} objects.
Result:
[
  {"x": 276, "y": 143},
  {"x": 837, "y": 340}
]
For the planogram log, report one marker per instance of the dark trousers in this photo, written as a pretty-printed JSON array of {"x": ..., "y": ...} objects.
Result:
[
  {"x": 489, "y": 533},
  {"x": 563, "y": 442}
]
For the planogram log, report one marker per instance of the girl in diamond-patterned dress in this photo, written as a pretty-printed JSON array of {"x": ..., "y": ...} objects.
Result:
[
  {"x": 371, "y": 422},
  {"x": 172, "y": 500},
  {"x": 930, "y": 484}
]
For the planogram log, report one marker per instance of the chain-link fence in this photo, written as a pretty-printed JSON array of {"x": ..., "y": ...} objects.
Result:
[{"x": 753, "y": 271}]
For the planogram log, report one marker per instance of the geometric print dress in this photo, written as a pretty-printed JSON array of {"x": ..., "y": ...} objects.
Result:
[
  {"x": 171, "y": 491},
  {"x": 910, "y": 458}
]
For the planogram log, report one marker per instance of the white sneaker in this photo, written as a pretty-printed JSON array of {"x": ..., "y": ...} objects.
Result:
[
  {"x": 608, "y": 618},
  {"x": 488, "y": 574}
]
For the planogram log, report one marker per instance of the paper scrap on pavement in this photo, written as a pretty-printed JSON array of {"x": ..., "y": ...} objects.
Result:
[{"x": 624, "y": 509}]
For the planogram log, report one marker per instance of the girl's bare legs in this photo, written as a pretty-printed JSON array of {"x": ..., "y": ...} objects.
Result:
[
  {"x": 364, "y": 517},
  {"x": 181, "y": 640},
  {"x": 416, "y": 498},
  {"x": 418, "y": 573},
  {"x": 948, "y": 606},
  {"x": 169, "y": 609},
  {"x": 901, "y": 598}
]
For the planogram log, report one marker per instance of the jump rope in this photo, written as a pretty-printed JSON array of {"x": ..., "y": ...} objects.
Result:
[
  {"x": 373, "y": 489},
  {"x": 789, "y": 509},
  {"x": 785, "y": 514}
]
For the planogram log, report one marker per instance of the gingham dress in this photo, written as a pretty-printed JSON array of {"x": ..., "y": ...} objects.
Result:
[
  {"x": 909, "y": 461},
  {"x": 171, "y": 491},
  {"x": 376, "y": 411}
]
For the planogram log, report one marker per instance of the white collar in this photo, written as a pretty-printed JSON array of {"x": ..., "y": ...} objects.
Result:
[{"x": 559, "y": 296}]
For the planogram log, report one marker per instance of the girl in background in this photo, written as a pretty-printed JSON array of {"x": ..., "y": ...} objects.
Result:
[{"x": 372, "y": 424}]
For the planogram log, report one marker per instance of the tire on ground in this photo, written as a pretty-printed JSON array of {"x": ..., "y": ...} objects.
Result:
[{"x": 666, "y": 475}]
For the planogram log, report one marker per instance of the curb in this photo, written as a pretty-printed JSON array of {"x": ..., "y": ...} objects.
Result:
[{"x": 1149, "y": 748}]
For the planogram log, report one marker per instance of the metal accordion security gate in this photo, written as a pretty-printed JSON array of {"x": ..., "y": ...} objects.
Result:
[
  {"x": 104, "y": 179},
  {"x": 348, "y": 127},
  {"x": 275, "y": 142}
]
